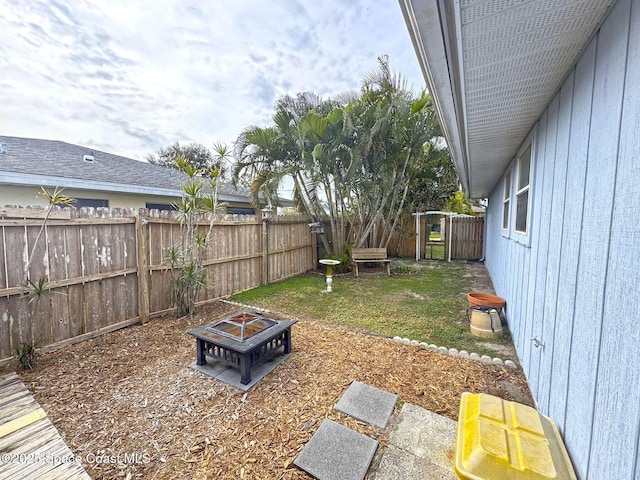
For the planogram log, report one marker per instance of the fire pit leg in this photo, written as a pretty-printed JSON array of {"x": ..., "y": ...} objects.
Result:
[
  {"x": 200, "y": 348},
  {"x": 287, "y": 341},
  {"x": 245, "y": 370}
]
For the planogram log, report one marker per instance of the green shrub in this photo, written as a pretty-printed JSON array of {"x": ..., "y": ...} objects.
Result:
[
  {"x": 27, "y": 354},
  {"x": 345, "y": 262}
]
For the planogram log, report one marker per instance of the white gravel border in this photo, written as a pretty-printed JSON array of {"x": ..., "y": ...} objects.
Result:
[{"x": 457, "y": 353}]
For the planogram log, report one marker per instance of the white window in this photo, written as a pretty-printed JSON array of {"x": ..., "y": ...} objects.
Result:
[
  {"x": 90, "y": 202},
  {"x": 523, "y": 163},
  {"x": 506, "y": 200}
]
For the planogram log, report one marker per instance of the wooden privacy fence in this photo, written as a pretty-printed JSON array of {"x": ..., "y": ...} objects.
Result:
[
  {"x": 403, "y": 240},
  {"x": 105, "y": 269},
  {"x": 466, "y": 243},
  {"x": 467, "y": 235}
]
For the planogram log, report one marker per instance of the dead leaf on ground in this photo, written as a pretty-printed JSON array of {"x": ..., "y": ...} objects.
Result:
[{"x": 130, "y": 394}]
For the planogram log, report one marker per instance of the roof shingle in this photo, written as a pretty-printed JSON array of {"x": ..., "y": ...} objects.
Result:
[{"x": 51, "y": 158}]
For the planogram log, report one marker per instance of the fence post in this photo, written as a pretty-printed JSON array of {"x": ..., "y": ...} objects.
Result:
[
  {"x": 143, "y": 268},
  {"x": 314, "y": 250},
  {"x": 447, "y": 235},
  {"x": 265, "y": 249}
]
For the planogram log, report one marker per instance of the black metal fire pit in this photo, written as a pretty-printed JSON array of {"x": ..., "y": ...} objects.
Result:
[{"x": 243, "y": 339}]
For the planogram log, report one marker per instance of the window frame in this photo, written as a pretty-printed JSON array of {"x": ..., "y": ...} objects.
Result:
[
  {"x": 87, "y": 202},
  {"x": 506, "y": 201},
  {"x": 523, "y": 236},
  {"x": 161, "y": 206}
]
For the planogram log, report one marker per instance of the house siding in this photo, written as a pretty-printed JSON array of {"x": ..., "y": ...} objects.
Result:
[
  {"x": 30, "y": 196},
  {"x": 573, "y": 285}
]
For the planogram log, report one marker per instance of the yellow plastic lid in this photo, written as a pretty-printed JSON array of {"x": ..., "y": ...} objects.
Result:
[{"x": 498, "y": 439}]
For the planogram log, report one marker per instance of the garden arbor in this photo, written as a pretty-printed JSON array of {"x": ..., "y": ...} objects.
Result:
[{"x": 449, "y": 238}]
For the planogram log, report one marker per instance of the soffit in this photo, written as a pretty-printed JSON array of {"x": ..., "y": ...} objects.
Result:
[{"x": 505, "y": 59}]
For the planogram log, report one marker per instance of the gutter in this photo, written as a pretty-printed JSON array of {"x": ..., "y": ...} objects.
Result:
[{"x": 437, "y": 67}]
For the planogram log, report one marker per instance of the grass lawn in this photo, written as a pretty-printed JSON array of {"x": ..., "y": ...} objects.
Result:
[{"x": 427, "y": 303}]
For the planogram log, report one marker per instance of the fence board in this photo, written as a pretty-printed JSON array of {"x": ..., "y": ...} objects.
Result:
[
  {"x": 3, "y": 260},
  {"x": 77, "y": 311},
  {"x": 89, "y": 249},
  {"x": 467, "y": 238},
  {"x": 38, "y": 251},
  {"x": 56, "y": 253},
  {"x": 119, "y": 259},
  {"x": 6, "y": 327},
  {"x": 18, "y": 333},
  {"x": 105, "y": 264},
  {"x": 61, "y": 323},
  {"x": 14, "y": 257}
]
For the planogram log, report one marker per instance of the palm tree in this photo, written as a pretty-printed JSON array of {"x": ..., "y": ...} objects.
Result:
[
  {"x": 352, "y": 159},
  {"x": 272, "y": 154},
  {"x": 395, "y": 128}
]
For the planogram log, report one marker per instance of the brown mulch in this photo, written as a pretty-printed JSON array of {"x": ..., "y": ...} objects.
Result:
[{"x": 130, "y": 407}]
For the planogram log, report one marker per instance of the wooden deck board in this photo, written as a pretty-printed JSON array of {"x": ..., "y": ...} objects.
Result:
[{"x": 34, "y": 447}]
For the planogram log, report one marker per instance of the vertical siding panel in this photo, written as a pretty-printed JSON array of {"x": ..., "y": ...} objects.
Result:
[
  {"x": 598, "y": 204},
  {"x": 511, "y": 266},
  {"x": 531, "y": 357},
  {"x": 522, "y": 296},
  {"x": 549, "y": 269},
  {"x": 555, "y": 245},
  {"x": 545, "y": 182},
  {"x": 572, "y": 229},
  {"x": 618, "y": 382},
  {"x": 561, "y": 335},
  {"x": 517, "y": 273}
]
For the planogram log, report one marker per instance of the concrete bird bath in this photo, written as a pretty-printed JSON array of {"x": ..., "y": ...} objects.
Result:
[{"x": 330, "y": 264}]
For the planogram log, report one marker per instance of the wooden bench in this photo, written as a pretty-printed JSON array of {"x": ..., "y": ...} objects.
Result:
[{"x": 370, "y": 255}]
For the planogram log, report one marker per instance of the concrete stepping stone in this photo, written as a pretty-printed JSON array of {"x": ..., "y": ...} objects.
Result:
[
  {"x": 368, "y": 404},
  {"x": 422, "y": 447},
  {"x": 336, "y": 452}
]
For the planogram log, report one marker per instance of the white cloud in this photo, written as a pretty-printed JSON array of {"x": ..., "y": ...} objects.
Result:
[{"x": 131, "y": 77}]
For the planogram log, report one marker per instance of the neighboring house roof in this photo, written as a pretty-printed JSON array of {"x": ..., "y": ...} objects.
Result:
[
  {"x": 51, "y": 163},
  {"x": 492, "y": 66}
]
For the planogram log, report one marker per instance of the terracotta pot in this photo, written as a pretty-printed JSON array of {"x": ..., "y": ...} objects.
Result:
[{"x": 478, "y": 299}]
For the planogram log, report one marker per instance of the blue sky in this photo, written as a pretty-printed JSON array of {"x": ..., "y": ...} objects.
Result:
[{"x": 129, "y": 77}]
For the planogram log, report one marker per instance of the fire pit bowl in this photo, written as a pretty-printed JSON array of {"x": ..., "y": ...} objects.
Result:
[
  {"x": 242, "y": 340},
  {"x": 241, "y": 326}
]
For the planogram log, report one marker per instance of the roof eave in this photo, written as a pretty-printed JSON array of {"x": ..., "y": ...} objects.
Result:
[
  {"x": 9, "y": 178},
  {"x": 429, "y": 44}
]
